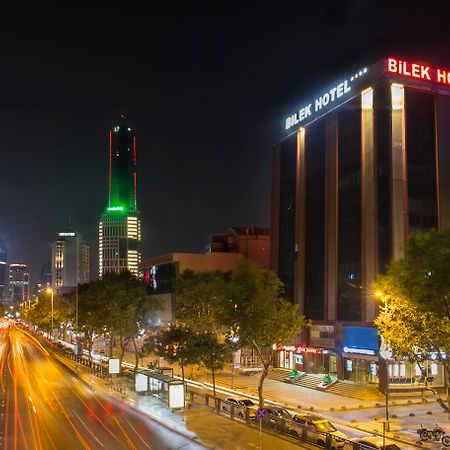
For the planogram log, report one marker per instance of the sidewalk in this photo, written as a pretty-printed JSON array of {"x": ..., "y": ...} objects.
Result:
[{"x": 406, "y": 415}]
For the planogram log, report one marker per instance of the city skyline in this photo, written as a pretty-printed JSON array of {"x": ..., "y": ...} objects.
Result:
[{"x": 205, "y": 102}]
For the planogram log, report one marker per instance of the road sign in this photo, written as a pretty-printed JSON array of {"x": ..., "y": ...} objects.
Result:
[{"x": 261, "y": 413}]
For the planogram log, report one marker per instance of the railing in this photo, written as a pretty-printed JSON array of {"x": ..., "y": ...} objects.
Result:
[{"x": 290, "y": 429}]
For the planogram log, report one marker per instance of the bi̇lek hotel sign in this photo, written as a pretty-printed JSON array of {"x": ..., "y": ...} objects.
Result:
[{"x": 340, "y": 92}]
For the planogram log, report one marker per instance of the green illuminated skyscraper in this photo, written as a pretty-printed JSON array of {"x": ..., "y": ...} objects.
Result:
[{"x": 119, "y": 227}]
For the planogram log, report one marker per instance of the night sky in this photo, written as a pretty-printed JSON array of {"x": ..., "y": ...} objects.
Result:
[{"x": 205, "y": 94}]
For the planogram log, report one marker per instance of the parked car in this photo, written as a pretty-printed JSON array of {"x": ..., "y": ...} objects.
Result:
[
  {"x": 240, "y": 406},
  {"x": 373, "y": 442},
  {"x": 317, "y": 428},
  {"x": 277, "y": 417}
]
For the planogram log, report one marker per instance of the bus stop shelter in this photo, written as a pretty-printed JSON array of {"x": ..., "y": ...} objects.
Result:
[{"x": 168, "y": 389}]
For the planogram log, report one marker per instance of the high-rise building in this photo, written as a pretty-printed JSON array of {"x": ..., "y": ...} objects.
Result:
[
  {"x": 19, "y": 282},
  {"x": 119, "y": 227},
  {"x": 2, "y": 268},
  {"x": 70, "y": 260},
  {"x": 360, "y": 167}
]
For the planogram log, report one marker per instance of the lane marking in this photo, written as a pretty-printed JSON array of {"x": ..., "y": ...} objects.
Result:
[{"x": 87, "y": 428}]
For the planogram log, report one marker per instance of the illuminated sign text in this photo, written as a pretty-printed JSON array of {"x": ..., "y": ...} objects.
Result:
[
  {"x": 322, "y": 101},
  {"x": 419, "y": 71}
]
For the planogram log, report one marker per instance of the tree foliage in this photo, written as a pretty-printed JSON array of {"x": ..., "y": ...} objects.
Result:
[
  {"x": 416, "y": 292},
  {"x": 200, "y": 299},
  {"x": 258, "y": 315}
]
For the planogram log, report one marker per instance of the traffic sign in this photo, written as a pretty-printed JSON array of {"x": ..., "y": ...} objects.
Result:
[{"x": 261, "y": 413}]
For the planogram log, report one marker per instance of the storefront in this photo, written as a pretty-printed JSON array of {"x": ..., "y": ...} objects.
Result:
[
  {"x": 360, "y": 355},
  {"x": 410, "y": 374},
  {"x": 306, "y": 359}
]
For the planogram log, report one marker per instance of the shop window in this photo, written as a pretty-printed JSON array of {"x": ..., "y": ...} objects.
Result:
[
  {"x": 374, "y": 368},
  {"x": 402, "y": 370},
  {"x": 395, "y": 370},
  {"x": 434, "y": 369},
  {"x": 349, "y": 365},
  {"x": 418, "y": 372}
]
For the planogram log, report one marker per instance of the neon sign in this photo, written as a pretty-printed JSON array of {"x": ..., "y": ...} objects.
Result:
[
  {"x": 297, "y": 348},
  {"x": 418, "y": 71},
  {"x": 360, "y": 351},
  {"x": 327, "y": 98}
]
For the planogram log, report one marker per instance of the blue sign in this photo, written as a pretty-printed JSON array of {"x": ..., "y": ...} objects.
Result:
[
  {"x": 261, "y": 413},
  {"x": 361, "y": 338}
]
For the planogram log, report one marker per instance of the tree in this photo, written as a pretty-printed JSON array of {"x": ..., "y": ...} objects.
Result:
[
  {"x": 212, "y": 353},
  {"x": 200, "y": 297},
  {"x": 127, "y": 308},
  {"x": 255, "y": 311},
  {"x": 176, "y": 344},
  {"x": 40, "y": 313},
  {"x": 416, "y": 290}
]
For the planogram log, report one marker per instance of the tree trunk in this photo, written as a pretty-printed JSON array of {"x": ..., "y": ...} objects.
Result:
[
  {"x": 136, "y": 354},
  {"x": 261, "y": 383},
  {"x": 182, "y": 374},
  {"x": 214, "y": 380},
  {"x": 111, "y": 346}
]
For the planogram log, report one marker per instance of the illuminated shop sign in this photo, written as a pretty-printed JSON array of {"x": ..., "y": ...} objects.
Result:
[
  {"x": 297, "y": 348},
  {"x": 64, "y": 233},
  {"x": 418, "y": 71},
  {"x": 330, "y": 97},
  {"x": 359, "y": 351}
]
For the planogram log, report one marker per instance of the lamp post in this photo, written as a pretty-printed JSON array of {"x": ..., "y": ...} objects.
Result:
[
  {"x": 386, "y": 426},
  {"x": 50, "y": 291}
]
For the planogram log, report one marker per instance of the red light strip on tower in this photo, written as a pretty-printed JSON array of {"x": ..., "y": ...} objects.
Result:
[
  {"x": 110, "y": 167},
  {"x": 134, "y": 149}
]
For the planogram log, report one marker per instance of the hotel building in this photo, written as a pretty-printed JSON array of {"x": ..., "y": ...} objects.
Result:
[{"x": 360, "y": 167}]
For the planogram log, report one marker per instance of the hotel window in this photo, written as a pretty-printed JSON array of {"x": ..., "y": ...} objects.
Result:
[
  {"x": 288, "y": 163},
  {"x": 421, "y": 160},
  {"x": 315, "y": 220},
  {"x": 349, "y": 211}
]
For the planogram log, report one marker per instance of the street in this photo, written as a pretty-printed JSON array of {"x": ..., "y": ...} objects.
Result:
[{"x": 43, "y": 406}]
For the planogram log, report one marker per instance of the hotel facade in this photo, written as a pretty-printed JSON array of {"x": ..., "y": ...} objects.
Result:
[{"x": 361, "y": 166}]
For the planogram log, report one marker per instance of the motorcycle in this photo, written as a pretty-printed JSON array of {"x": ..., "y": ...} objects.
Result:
[{"x": 437, "y": 434}]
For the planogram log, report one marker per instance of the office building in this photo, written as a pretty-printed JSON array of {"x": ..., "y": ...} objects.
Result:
[
  {"x": 251, "y": 242},
  {"x": 70, "y": 261},
  {"x": 360, "y": 167},
  {"x": 119, "y": 227},
  {"x": 19, "y": 282}
]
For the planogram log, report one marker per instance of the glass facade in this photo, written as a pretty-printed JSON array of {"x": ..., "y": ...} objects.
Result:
[
  {"x": 288, "y": 164},
  {"x": 382, "y": 103},
  {"x": 421, "y": 160},
  {"x": 315, "y": 221},
  {"x": 349, "y": 212}
]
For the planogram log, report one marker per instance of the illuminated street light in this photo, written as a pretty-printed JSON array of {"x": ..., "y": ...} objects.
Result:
[{"x": 50, "y": 291}]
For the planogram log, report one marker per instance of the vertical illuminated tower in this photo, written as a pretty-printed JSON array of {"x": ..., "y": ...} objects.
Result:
[{"x": 119, "y": 227}]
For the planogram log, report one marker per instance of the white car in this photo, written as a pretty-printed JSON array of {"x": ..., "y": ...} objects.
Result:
[
  {"x": 240, "y": 406},
  {"x": 376, "y": 443},
  {"x": 317, "y": 428}
]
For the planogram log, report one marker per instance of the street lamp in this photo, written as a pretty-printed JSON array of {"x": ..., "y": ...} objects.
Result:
[
  {"x": 50, "y": 291},
  {"x": 385, "y": 356}
]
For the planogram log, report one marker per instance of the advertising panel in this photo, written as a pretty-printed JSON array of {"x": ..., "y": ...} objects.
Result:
[
  {"x": 140, "y": 383},
  {"x": 114, "y": 365},
  {"x": 176, "y": 396}
]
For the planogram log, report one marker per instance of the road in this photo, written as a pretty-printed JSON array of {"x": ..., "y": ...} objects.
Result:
[{"x": 43, "y": 405}]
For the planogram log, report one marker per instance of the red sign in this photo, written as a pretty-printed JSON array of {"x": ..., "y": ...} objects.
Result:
[
  {"x": 297, "y": 348},
  {"x": 418, "y": 71}
]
